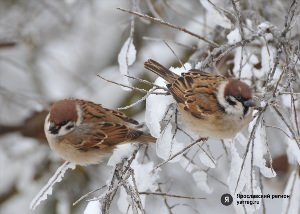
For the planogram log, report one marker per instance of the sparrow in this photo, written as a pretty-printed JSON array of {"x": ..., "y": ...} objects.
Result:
[
  {"x": 210, "y": 105},
  {"x": 84, "y": 132}
]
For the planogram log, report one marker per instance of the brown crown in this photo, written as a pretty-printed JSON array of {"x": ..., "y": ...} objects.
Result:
[
  {"x": 63, "y": 111},
  {"x": 236, "y": 88}
]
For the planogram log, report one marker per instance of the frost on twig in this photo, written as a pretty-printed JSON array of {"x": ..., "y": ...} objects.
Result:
[
  {"x": 291, "y": 204},
  {"x": 48, "y": 188},
  {"x": 129, "y": 178},
  {"x": 127, "y": 55}
]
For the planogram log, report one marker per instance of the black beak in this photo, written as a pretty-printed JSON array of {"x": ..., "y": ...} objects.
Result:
[
  {"x": 249, "y": 103},
  {"x": 53, "y": 128}
]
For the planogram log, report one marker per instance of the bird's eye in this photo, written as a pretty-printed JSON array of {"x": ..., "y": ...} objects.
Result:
[
  {"x": 230, "y": 101},
  {"x": 63, "y": 123},
  {"x": 239, "y": 98},
  {"x": 69, "y": 127}
]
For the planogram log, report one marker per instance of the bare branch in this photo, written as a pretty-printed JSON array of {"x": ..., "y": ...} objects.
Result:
[
  {"x": 170, "y": 25},
  {"x": 170, "y": 195}
]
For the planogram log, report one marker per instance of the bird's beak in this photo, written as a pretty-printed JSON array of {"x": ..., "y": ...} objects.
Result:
[
  {"x": 249, "y": 103},
  {"x": 53, "y": 128}
]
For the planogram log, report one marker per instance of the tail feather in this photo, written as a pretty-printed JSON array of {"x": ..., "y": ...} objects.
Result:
[
  {"x": 146, "y": 138},
  {"x": 160, "y": 70}
]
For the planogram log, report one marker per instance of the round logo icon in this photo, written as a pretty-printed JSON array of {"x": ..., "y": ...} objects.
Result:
[{"x": 226, "y": 199}]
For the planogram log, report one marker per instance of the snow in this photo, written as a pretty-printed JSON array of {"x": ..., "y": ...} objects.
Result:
[
  {"x": 241, "y": 183},
  {"x": 235, "y": 168},
  {"x": 167, "y": 145},
  {"x": 121, "y": 152},
  {"x": 293, "y": 150},
  {"x": 200, "y": 177},
  {"x": 260, "y": 149},
  {"x": 207, "y": 160},
  {"x": 234, "y": 36},
  {"x": 47, "y": 189},
  {"x": 93, "y": 207},
  {"x": 156, "y": 107},
  {"x": 291, "y": 205},
  {"x": 268, "y": 54},
  {"x": 215, "y": 16},
  {"x": 187, "y": 165},
  {"x": 248, "y": 69},
  {"x": 126, "y": 57},
  {"x": 146, "y": 180},
  {"x": 264, "y": 26},
  {"x": 286, "y": 100}
]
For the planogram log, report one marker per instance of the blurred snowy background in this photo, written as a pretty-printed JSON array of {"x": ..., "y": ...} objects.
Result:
[{"x": 51, "y": 50}]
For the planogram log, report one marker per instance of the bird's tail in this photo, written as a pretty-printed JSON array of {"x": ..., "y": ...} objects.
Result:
[
  {"x": 160, "y": 70},
  {"x": 146, "y": 138}
]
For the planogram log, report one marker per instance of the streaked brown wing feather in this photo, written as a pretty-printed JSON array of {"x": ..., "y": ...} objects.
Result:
[
  {"x": 96, "y": 112},
  {"x": 122, "y": 116},
  {"x": 108, "y": 135},
  {"x": 195, "y": 92}
]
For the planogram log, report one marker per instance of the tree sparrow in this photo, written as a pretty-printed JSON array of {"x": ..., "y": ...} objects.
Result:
[
  {"x": 84, "y": 133},
  {"x": 210, "y": 105}
]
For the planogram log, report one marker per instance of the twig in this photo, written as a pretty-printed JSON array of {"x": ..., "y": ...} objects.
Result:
[
  {"x": 251, "y": 138},
  {"x": 274, "y": 127},
  {"x": 223, "y": 50},
  {"x": 87, "y": 194},
  {"x": 287, "y": 124},
  {"x": 170, "y": 195},
  {"x": 213, "y": 44},
  {"x": 168, "y": 40},
  {"x": 126, "y": 86},
  {"x": 147, "y": 82},
  {"x": 180, "y": 152},
  {"x": 138, "y": 101},
  {"x": 182, "y": 65}
]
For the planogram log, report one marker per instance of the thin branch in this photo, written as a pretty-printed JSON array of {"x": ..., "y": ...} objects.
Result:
[
  {"x": 182, "y": 65},
  {"x": 171, "y": 41},
  {"x": 147, "y": 82},
  {"x": 251, "y": 138},
  {"x": 87, "y": 194},
  {"x": 139, "y": 100},
  {"x": 287, "y": 124},
  {"x": 213, "y": 44},
  {"x": 170, "y": 195},
  {"x": 180, "y": 152}
]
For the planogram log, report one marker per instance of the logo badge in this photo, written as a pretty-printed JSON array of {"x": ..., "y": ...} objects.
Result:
[{"x": 226, "y": 199}]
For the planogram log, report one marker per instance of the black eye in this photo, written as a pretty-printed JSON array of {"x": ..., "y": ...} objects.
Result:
[
  {"x": 231, "y": 102},
  {"x": 239, "y": 98},
  {"x": 63, "y": 123},
  {"x": 69, "y": 127}
]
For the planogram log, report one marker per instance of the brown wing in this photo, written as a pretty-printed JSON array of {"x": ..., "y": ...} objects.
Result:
[
  {"x": 122, "y": 116},
  {"x": 106, "y": 135},
  {"x": 96, "y": 113},
  {"x": 195, "y": 92}
]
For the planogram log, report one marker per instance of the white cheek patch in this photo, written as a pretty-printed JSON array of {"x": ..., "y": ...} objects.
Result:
[
  {"x": 63, "y": 130},
  {"x": 47, "y": 125},
  {"x": 79, "y": 114},
  {"x": 220, "y": 95},
  {"x": 237, "y": 109}
]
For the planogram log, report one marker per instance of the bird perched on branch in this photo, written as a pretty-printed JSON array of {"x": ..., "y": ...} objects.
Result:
[
  {"x": 84, "y": 133},
  {"x": 210, "y": 105}
]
